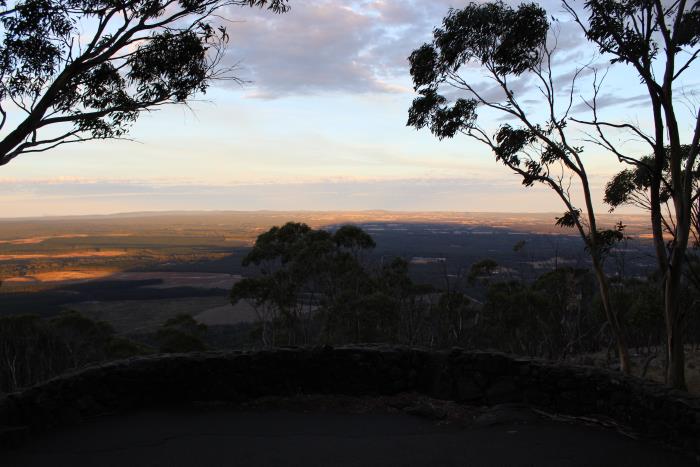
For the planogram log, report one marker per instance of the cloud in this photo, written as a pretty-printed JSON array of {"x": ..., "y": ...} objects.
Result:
[
  {"x": 614, "y": 100},
  {"x": 474, "y": 192},
  {"x": 317, "y": 47},
  {"x": 326, "y": 46}
]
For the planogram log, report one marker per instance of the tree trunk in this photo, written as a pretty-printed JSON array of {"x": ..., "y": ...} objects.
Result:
[
  {"x": 675, "y": 352},
  {"x": 676, "y": 362},
  {"x": 620, "y": 341},
  {"x": 265, "y": 341}
]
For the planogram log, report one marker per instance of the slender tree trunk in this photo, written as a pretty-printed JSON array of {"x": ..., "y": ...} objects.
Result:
[
  {"x": 673, "y": 314},
  {"x": 616, "y": 329},
  {"x": 603, "y": 284},
  {"x": 681, "y": 185},
  {"x": 675, "y": 372},
  {"x": 265, "y": 341}
]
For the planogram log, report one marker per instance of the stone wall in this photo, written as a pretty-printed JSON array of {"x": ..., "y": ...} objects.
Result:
[{"x": 469, "y": 377}]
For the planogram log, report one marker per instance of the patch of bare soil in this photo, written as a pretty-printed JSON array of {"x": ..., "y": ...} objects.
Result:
[
  {"x": 35, "y": 240},
  {"x": 64, "y": 255},
  {"x": 41, "y": 239},
  {"x": 62, "y": 276}
]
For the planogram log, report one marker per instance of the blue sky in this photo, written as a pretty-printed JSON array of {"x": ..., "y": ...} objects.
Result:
[{"x": 320, "y": 126}]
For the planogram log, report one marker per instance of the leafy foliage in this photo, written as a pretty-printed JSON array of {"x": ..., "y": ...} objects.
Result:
[
  {"x": 630, "y": 186},
  {"x": 650, "y": 36},
  {"x": 482, "y": 270},
  {"x": 507, "y": 41},
  {"x": 181, "y": 334},
  {"x": 569, "y": 219},
  {"x": 608, "y": 238},
  {"x": 305, "y": 270},
  {"x": 615, "y": 26},
  {"x": 444, "y": 121},
  {"x": 612, "y": 26},
  {"x": 33, "y": 350},
  {"x": 85, "y": 69},
  {"x": 494, "y": 34}
]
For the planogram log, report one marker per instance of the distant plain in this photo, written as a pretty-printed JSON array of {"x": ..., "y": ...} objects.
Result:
[{"x": 137, "y": 270}]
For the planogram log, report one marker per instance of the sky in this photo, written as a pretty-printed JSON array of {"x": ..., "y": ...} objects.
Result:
[{"x": 320, "y": 124}]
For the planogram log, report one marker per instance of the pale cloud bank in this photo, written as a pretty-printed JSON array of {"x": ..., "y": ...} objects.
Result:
[
  {"x": 326, "y": 46},
  {"x": 20, "y": 198}
]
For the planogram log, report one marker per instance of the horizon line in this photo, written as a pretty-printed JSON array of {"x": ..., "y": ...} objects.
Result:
[{"x": 300, "y": 211}]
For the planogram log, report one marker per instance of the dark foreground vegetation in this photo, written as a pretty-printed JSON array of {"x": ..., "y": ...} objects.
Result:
[
  {"x": 34, "y": 350},
  {"x": 317, "y": 287}
]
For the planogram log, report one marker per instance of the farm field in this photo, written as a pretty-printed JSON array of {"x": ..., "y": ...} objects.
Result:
[
  {"x": 136, "y": 271},
  {"x": 146, "y": 316}
]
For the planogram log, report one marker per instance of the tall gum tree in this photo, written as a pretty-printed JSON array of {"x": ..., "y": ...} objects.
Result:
[
  {"x": 660, "y": 41},
  {"x": 76, "y": 70},
  {"x": 511, "y": 45}
]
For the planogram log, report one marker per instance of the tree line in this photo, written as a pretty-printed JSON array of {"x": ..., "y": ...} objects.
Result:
[
  {"x": 33, "y": 349},
  {"x": 311, "y": 287},
  {"x": 318, "y": 287}
]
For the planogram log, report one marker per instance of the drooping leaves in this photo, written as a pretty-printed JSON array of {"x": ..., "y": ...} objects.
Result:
[
  {"x": 569, "y": 219},
  {"x": 497, "y": 36},
  {"x": 507, "y": 41},
  {"x": 628, "y": 186},
  {"x": 612, "y": 26},
  {"x": 425, "y": 66},
  {"x": 170, "y": 65},
  {"x": 96, "y": 64},
  {"x": 688, "y": 32},
  {"x": 444, "y": 121},
  {"x": 606, "y": 239}
]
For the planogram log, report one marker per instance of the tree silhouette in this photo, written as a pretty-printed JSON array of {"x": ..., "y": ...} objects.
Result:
[
  {"x": 661, "y": 42},
  {"x": 312, "y": 277},
  {"x": 508, "y": 44},
  {"x": 632, "y": 187},
  {"x": 76, "y": 70},
  {"x": 181, "y": 334}
]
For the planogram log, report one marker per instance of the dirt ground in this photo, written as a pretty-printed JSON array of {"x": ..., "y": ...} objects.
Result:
[
  {"x": 72, "y": 254},
  {"x": 58, "y": 277}
]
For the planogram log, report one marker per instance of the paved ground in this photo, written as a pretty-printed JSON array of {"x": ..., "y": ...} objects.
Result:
[{"x": 268, "y": 438}]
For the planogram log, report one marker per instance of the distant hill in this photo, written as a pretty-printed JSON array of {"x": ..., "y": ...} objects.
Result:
[{"x": 250, "y": 223}]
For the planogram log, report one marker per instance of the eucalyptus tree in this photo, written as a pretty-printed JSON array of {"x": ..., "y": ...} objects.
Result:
[
  {"x": 632, "y": 187},
  {"x": 305, "y": 274},
  {"x": 78, "y": 70},
  {"x": 660, "y": 41},
  {"x": 510, "y": 44}
]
